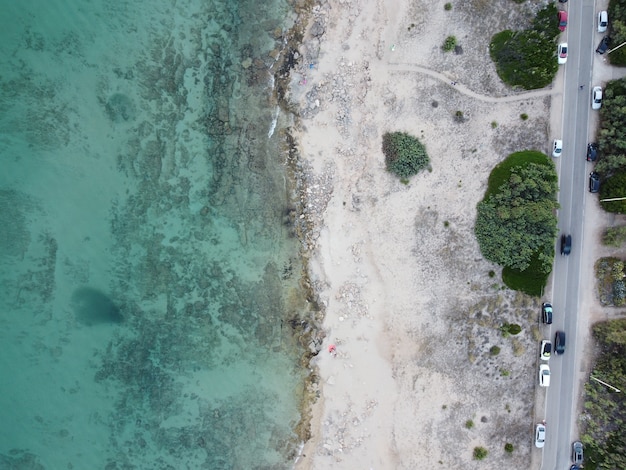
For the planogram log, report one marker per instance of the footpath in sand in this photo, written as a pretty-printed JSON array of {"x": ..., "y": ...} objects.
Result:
[{"x": 411, "y": 307}]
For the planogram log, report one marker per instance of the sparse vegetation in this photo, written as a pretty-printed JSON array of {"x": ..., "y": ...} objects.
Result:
[
  {"x": 516, "y": 222},
  {"x": 610, "y": 280},
  {"x": 505, "y": 372},
  {"x": 523, "y": 116},
  {"x": 447, "y": 6},
  {"x": 494, "y": 124},
  {"x": 526, "y": 58},
  {"x": 458, "y": 116},
  {"x": 449, "y": 44},
  {"x": 469, "y": 424},
  {"x": 508, "y": 448},
  {"x": 494, "y": 350},
  {"x": 614, "y": 236},
  {"x": 404, "y": 154},
  {"x": 480, "y": 453},
  {"x": 604, "y": 418}
]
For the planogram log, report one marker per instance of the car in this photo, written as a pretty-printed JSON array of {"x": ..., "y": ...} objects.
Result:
[
  {"x": 562, "y": 15},
  {"x": 577, "y": 452},
  {"x": 596, "y": 97},
  {"x": 563, "y": 1},
  {"x": 546, "y": 313},
  {"x": 575, "y": 467},
  {"x": 546, "y": 350},
  {"x": 566, "y": 244},
  {"x": 540, "y": 436},
  {"x": 604, "y": 45},
  {"x": 603, "y": 21},
  {"x": 562, "y": 53},
  {"x": 544, "y": 375},
  {"x": 557, "y": 148},
  {"x": 559, "y": 342},
  {"x": 594, "y": 182},
  {"x": 592, "y": 152}
]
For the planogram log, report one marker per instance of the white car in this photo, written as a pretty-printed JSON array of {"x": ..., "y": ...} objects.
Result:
[
  {"x": 546, "y": 350},
  {"x": 603, "y": 21},
  {"x": 540, "y": 436},
  {"x": 562, "y": 53},
  {"x": 557, "y": 148},
  {"x": 596, "y": 98},
  {"x": 544, "y": 375}
]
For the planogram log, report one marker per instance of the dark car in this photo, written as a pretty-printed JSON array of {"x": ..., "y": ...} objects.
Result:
[
  {"x": 563, "y": 1},
  {"x": 574, "y": 467},
  {"x": 592, "y": 152},
  {"x": 577, "y": 452},
  {"x": 566, "y": 244},
  {"x": 594, "y": 182},
  {"x": 559, "y": 342},
  {"x": 604, "y": 45},
  {"x": 546, "y": 313}
]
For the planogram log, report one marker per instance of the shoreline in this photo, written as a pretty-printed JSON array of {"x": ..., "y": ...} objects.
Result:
[{"x": 390, "y": 283}]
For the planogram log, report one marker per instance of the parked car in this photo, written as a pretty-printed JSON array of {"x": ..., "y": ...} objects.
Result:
[
  {"x": 557, "y": 148},
  {"x": 546, "y": 313},
  {"x": 566, "y": 244},
  {"x": 562, "y": 20},
  {"x": 559, "y": 342},
  {"x": 594, "y": 182},
  {"x": 603, "y": 21},
  {"x": 540, "y": 436},
  {"x": 596, "y": 97},
  {"x": 575, "y": 467},
  {"x": 546, "y": 350},
  {"x": 577, "y": 452},
  {"x": 592, "y": 152},
  {"x": 604, "y": 45},
  {"x": 544, "y": 375},
  {"x": 562, "y": 53}
]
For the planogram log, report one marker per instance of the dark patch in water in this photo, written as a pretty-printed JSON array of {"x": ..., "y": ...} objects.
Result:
[{"x": 92, "y": 307}]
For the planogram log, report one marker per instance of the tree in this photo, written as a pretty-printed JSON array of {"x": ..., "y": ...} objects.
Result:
[{"x": 517, "y": 221}]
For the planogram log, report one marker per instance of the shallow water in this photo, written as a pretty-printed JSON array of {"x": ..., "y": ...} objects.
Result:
[{"x": 148, "y": 269}]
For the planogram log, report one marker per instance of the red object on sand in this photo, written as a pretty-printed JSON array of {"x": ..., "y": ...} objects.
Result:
[{"x": 332, "y": 348}]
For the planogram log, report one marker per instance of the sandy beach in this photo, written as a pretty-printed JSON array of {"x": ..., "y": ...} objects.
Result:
[{"x": 412, "y": 310}]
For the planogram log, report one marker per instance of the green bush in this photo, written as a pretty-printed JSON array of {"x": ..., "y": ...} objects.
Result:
[
  {"x": 508, "y": 448},
  {"x": 614, "y": 236},
  {"x": 523, "y": 116},
  {"x": 527, "y": 58},
  {"x": 494, "y": 350},
  {"x": 617, "y": 25},
  {"x": 516, "y": 221},
  {"x": 449, "y": 44},
  {"x": 480, "y": 453},
  {"x": 469, "y": 424},
  {"x": 447, "y": 6},
  {"x": 404, "y": 154}
]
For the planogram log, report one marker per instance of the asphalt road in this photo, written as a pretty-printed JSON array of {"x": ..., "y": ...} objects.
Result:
[{"x": 564, "y": 391}]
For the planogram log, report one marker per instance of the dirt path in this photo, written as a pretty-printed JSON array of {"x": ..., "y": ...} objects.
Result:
[{"x": 400, "y": 68}]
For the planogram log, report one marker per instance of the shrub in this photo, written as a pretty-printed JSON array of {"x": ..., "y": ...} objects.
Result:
[
  {"x": 404, "y": 154},
  {"x": 494, "y": 124},
  {"x": 458, "y": 116},
  {"x": 447, "y": 6},
  {"x": 510, "y": 329},
  {"x": 494, "y": 350},
  {"x": 469, "y": 424},
  {"x": 508, "y": 447},
  {"x": 526, "y": 58},
  {"x": 614, "y": 236},
  {"x": 523, "y": 116},
  {"x": 480, "y": 453},
  {"x": 449, "y": 44}
]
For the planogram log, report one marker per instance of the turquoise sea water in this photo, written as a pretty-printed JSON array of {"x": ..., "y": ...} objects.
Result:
[{"x": 148, "y": 275}]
